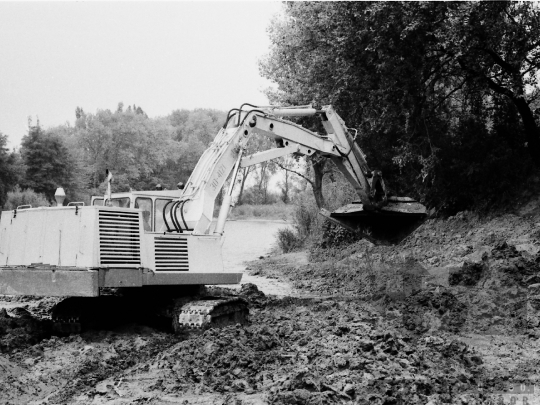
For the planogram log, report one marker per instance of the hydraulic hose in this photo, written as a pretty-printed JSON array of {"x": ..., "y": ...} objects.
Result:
[
  {"x": 173, "y": 217},
  {"x": 165, "y": 216},
  {"x": 249, "y": 112},
  {"x": 229, "y": 116},
  {"x": 182, "y": 215},
  {"x": 241, "y": 109}
]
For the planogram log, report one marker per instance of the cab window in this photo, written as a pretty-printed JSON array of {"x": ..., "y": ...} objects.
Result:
[
  {"x": 160, "y": 204},
  {"x": 146, "y": 205},
  {"x": 97, "y": 201},
  {"x": 120, "y": 202}
]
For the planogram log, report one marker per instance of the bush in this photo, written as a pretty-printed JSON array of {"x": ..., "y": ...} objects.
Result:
[
  {"x": 305, "y": 218},
  {"x": 288, "y": 240},
  {"x": 305, "y": 223},
  {"x": 27, "y": 196},
  {"x": 239, "y": 211}
]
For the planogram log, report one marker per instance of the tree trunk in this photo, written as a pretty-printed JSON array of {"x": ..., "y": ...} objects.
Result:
[
  {"x": 245, "y": 173},
  {"x": 285, "y": 188},
  {"x": 532, "y": 131},
  {"x": 317, "y": 185}
]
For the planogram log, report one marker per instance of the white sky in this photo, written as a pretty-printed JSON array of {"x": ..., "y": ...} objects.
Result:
[{"x": 55, "y": 56}]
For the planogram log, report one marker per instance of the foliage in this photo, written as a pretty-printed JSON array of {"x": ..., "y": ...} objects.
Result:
[
  {"x": 288, "y": 240},
  {"x": 8, "y": 171},
  {"x": 261, "y": 174},
  {"x": 141, "y": 151},
  {"x": 306, "y": 222},
  {"x": 126, "y": 142},
  {"x": 19, "y": 197},
  {"x": 256, "y": 196},
  {"x": 193, "y": 131},
  {"x": 305, "y": 218},
  {"x": 48, "y": 162},
  {"x": 202, "y": 124},
  {"x": 267, "y": 211},
  {"x": 424, "y": 83}
]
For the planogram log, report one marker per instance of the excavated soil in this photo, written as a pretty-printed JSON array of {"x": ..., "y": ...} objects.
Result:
[{"x": 451, "y": 315}]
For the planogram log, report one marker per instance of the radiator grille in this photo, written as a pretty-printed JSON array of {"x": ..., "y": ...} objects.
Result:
[
  {"x": 171, "y": 254},
  {"x": 119, "y": 238}
]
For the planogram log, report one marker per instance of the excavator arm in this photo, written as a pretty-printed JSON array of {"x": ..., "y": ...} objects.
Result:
[{"x": 193, "y": 212}]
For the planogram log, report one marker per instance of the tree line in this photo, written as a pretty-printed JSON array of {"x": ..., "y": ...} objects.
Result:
[
  {"x": 142, "y": 152},
  {"x": 444, "y": 95}
]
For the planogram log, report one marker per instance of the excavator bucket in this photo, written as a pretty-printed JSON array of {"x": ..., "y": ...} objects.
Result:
[{"x": 389, "y": 224}]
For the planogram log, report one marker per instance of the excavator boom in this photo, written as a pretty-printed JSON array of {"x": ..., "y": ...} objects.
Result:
[{"x": 375, "y": 214}]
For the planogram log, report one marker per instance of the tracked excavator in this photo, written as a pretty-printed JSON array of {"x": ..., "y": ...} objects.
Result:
[{"x": 152, "y": 252}]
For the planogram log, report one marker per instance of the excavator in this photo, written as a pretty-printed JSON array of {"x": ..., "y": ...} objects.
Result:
[{"x": 153, "y": 252}]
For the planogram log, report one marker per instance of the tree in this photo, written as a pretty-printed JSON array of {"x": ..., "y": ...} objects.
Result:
[
  {"x": 263, "y": 173},
  {"x": 201, "y": 123},
  {"x": 130, "y": 144},
  {"x": 293, "y": 170},
  {"x": 194, "y": 130},
  {"x": 48, "y": 162},
  {"x": 79, "y": 112},
  {"x": 315, "y": 169},
  {"x": 496, "y": 46},
  {"x": 410, "y": 76},
  {"x": 142, "y": 151},
  {"x": 8, "y": 173},
  {"x": 245, "y": 172},
  {"x": 286, "y": 164}
]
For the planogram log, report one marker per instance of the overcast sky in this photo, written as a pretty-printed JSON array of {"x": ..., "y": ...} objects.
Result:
[{"x": 160, "y": 56}]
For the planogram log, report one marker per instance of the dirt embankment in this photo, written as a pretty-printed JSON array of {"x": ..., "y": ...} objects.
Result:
[
  {"x": 473, "y": 279},
  {"x": 448, "y": 316}
]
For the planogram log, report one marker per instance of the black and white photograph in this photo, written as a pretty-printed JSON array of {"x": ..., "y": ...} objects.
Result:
[{"x": 269, "y": 202}]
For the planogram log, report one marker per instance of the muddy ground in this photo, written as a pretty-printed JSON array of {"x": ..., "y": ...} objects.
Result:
[{"x": 451, "y": 315}]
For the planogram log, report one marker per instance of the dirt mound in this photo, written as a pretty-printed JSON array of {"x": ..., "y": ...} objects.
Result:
[
  {"x": 21, "y": 329},
  {"x": 253, "y": 295},
  {"x": 520, "y": 268},
  {"x": 305, "y": 352},
  {"x": 434, "y": 309},
  {"x": 468, "y": 275}
]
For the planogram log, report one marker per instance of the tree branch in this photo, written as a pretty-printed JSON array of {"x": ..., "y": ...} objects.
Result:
[
  {"x": 491, "y": 84},
  {"x": 500, "y": 61},
  {"x": 459, "y": 87},
  {"x": 295, "y": 172}
]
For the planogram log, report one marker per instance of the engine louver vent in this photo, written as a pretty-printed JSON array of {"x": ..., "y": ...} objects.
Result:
[
  {"x": 119, "y": 239},
  {"x": 171, "y": 254}
]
